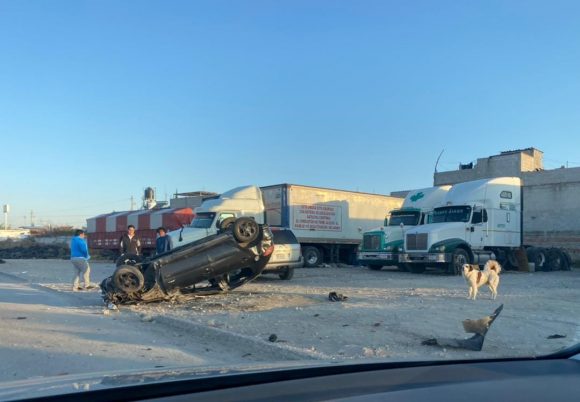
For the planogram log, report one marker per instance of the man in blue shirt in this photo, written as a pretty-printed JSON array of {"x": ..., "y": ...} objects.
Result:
[
  {"x": 79, "y": 256},
  {"x": 163, "y": 242}
]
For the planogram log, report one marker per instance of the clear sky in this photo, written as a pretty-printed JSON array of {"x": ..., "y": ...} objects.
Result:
[{"x": 99, "y": 99}]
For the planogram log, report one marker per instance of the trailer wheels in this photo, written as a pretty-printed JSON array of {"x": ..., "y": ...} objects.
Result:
[
  {"x": 128, "y": 279},
  {"x": 458, "y": 259},
  {"x": 537, "y": 255},
  {"x": 375, "y": 267},
  {"x": 246, "y": 230},
  {"x": 556, "y": 260},
  {"x": 312, "y": 257}
]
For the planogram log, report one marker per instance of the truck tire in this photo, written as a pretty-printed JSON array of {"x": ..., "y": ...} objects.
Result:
[
  {"x": 556, "y": 260},
  {"x": 128, "y": 279},
  {"x": 458, "y": 259},
  {"x": 537, "y": 255},
  {"x": 375, "y": 267},
  {"x": 287, "y": 274},
  {"x": 416, "y": 268},
  {"x": 246, "y": 230},
  {"x": 312, "y": 257},
  {"x": 403, "y": 267}
]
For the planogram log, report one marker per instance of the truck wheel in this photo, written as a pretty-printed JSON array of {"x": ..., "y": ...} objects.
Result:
[
  {"x": 287, "y": 274},
  {"x": 246, "y": 230},
  {"x": 375, "y": 267},
  {"x": 458, "y": 259},
  {"x": 128, "y": 279},
  {"x": 311, "y": 256},
  {"x": 226, "y": 224},
  {"x": 537, "y": 255},
  {"x": 417, "y": 268},
  {"x": 556, "y": 260},
  {"x": 403, "y": 267}
]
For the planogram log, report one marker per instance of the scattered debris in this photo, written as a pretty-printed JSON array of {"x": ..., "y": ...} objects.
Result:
[
  {"x": 377, "y": 324},
  {"x": 336, "y": 297},
  {"x": 556, "y": 336},
  {"x": 477, "y": 327},
  {"x": 273, "y": 338}
]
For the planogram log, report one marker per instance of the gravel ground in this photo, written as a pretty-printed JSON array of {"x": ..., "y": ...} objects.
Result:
[{"x": 387, "y": 314}]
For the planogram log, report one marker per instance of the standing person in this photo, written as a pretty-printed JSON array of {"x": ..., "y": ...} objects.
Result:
[
  {"x": 79, "y": 256},
  {"x": 163, "y": 242},
  {"x": 130, "y": 243}
]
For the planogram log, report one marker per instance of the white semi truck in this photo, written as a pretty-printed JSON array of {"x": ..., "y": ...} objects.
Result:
[
  {"x": 381, "y": 246},
  {"x": 479, "y": 220},
  {"x": 328, "y": 223}
]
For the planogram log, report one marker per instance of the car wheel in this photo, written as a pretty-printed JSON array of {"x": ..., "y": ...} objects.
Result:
[
  {"x": 458, "y": 259},
  {"x": 287, "y": 274},
  {"x": 312, "y": 257},
  {"x": 128, "y": 279},
  {"x": 246, "y": 230},
  {"x": 127, "y": 259},
  {"x": 416, "y": 268},
  {"x": 227, "y": 224},
  {"x": 375, "y": 267}
]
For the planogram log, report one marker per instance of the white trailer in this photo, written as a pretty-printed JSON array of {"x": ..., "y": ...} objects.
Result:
[{"x": 328, "y": 223}]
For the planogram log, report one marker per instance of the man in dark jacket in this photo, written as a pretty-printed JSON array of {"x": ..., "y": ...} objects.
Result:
[
  {"x": 163, "y": 242},
  {"x": 130, "y": 243}
]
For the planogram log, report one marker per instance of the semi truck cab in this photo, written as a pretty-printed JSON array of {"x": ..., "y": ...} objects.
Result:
[
  {"x": 381, "y": 246},
  {"x": 480, "y": 220}
]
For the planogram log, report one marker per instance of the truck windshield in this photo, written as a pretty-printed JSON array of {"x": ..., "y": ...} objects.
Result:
[
  {"x": 202, "y": 220},
  {"x": 407, "y": 218},
  {"x": 451, "y": 214}
]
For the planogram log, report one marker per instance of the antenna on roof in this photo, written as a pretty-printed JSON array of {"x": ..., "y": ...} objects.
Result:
[{"x": 439, "y": 157}]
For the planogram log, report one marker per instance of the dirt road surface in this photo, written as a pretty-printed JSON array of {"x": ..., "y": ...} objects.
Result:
[{"x": 387, "y": 314}]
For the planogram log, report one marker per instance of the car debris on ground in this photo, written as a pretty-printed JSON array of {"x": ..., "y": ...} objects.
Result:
[{"x": 477, "y": 327}]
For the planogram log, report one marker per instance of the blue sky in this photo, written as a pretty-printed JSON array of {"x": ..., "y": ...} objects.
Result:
[{"x": 99, "y": 99}]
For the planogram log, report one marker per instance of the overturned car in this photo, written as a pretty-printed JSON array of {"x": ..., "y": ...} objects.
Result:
[{"x": 217, "y": 263}]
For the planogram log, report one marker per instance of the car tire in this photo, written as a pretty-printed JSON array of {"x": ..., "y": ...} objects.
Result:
[
  {"x": 416, "y": 268},
  {"x": 375, "y": 267},
  {"x": 312, "y": 257},
  {"x": 287, "y": 274},
  {"x": 227, "y": 224},
  {"x": 128, "y": 279},
  {"x": 246, "y": 230},
  {"x": 127, "y": 259},
  {"x": 458, "y": 258}
]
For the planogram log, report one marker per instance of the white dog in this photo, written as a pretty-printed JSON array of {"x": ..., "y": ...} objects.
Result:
[{"x": 476, "y": 278}]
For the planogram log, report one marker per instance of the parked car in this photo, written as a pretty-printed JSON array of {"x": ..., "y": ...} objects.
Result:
[
  {"x": 217, "y": 263},
  {"x": 287, "y": 255}
]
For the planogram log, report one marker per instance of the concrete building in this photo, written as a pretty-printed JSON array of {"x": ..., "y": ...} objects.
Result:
[{"x": 551, "y": 197}]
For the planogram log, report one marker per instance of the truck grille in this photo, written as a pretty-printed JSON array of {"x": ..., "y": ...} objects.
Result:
[
  {"x": 372, "y": 242},
  {"x": 417, "y": 241}
]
